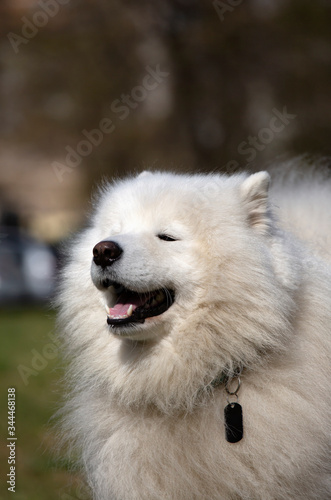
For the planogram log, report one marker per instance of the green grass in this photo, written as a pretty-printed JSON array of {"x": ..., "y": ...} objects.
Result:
[{"x": 29, "y": 361}]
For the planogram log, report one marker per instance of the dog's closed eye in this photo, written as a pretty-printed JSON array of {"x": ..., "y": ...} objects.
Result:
[{"x": 166, "y": 237}]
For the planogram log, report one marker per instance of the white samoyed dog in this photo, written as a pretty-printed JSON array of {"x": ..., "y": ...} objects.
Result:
[{"x": 199, "y": 335}]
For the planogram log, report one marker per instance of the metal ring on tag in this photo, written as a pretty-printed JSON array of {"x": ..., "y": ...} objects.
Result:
[
  {"x": 232, "y": 402},
  {"x": 233, "y": 393}
]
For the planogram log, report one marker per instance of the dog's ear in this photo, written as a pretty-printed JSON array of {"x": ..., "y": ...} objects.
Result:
[{"x": 254, "y": 196}]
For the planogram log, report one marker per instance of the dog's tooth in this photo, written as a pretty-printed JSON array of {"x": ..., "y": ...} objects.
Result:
[
  {"x": 129, "y": 311},
  {"x": 107, "y": 309}
]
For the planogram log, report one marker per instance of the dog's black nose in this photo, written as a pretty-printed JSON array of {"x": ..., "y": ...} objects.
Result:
[{"x": 106, "y": 252}]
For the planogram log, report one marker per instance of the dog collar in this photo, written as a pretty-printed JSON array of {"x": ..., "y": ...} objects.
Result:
[{"x": 220, "y": 380}]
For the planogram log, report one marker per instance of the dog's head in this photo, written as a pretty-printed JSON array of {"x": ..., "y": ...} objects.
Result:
[{"x": 171, "y": 246}]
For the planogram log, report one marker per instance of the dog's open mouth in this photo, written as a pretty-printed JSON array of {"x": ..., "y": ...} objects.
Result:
[{"x": 134, "y": 307}]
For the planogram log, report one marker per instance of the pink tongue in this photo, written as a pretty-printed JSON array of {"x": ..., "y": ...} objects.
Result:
[
  {"x": 120, "y": 309},
  {"x": 124, "y": 302}
]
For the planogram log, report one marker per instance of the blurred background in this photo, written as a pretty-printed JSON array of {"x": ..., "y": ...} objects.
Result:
[{"x": 93, "y": 89}]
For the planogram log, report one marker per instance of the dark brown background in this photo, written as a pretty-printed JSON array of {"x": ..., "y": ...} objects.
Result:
[{"x": 226, "y": 74}]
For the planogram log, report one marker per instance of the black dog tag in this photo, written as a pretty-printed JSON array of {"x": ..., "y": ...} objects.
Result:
[{"x": 233, "y": 420}]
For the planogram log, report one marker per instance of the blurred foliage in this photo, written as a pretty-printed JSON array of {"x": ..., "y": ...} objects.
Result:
[
  {"x": 225, "y": 77},
  {"x": 39, "y": 475}
]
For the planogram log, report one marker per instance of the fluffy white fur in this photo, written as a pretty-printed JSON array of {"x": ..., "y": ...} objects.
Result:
[{"x": 141, "y": 410}]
